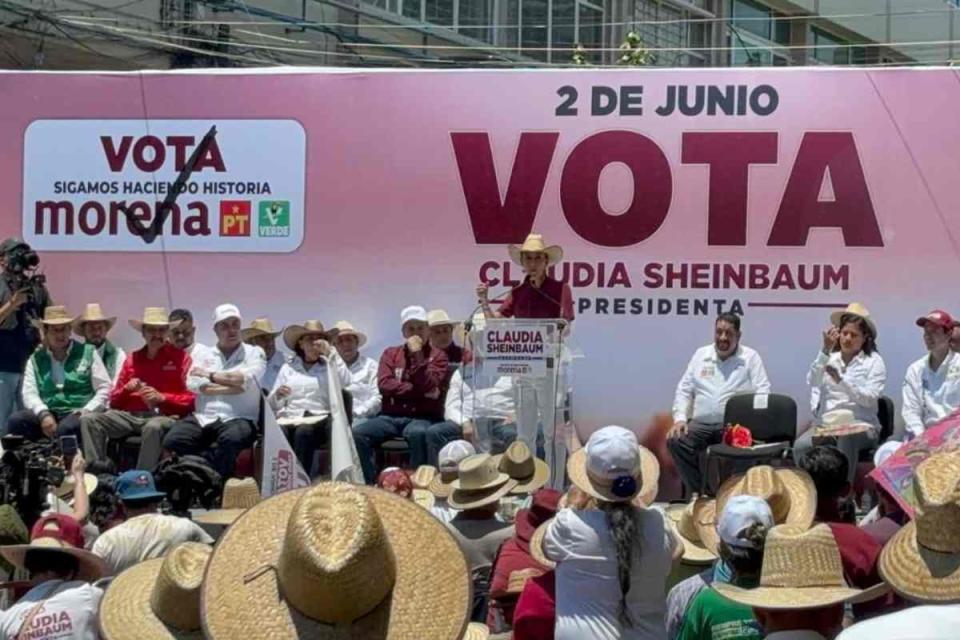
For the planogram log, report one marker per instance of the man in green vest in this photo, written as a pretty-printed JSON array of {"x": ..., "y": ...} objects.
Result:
[
  {"x": 64, "y": 382},
  {"x": 93, "y": 326}
]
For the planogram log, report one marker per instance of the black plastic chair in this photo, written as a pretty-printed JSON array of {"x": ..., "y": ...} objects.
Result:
[
  {"x": 886, "y": 413},
  {"x": 775, "y": 426}
]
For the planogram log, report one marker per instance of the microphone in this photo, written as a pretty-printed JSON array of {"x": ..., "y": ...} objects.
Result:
[{"x": 468, "y": 324}]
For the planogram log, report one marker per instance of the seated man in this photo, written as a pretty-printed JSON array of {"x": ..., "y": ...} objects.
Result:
[
  {"x": 183, "y": 331},
  {"x": 363, "y": 372},
  {"x": 93, "y": 327},
  {"x": 486, "y": 415},
  {"x": 260, "y": 333},
  {"x": 145, "y": 533},
  {"x": 931, "y": 388},
  {"x": 715, "y": 373},
  {"x": 150, "y": 393},
  {"x": 441, "y": 336},
  {"x": 411, "y": 378},
  {"x": 64, "y": 381},
  {"x": 224, "y": 379}
]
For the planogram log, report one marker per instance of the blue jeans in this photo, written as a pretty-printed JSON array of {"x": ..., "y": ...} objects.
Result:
[
  {"x": 425, "y": 438},
  {"x": 9, "y": 397}
]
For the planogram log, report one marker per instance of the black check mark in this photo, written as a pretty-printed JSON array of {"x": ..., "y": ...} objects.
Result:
[{"x": 150, "y": 233}]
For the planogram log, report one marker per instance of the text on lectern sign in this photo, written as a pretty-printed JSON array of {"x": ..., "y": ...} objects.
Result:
[{"x": 518, "y": 348}]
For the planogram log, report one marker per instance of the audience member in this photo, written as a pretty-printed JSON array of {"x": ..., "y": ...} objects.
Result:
[
  {"x": 441, "y": 336},
  {"x": 449, "y": 459},
  {"x": 685, "y": 520},
  {"x": 535, "y": 615},
  {"x": 421, "y": 480},
  {"x": 224, "y": 379},
  {"x": 145, "y": 533},
  {"x": 260, "y": 333},
  {"x": 363, "y": 372},
  {"x": 714, "y": 374},
  {"x": 93, "y": 326},
  {"x": 886, "y": 517},
  {"x": 530, "y": 474},
  {"x": 149, "y": 394},
  {"x": 483, "y": 407},
  {"x": 791, "y": 494},
  {"x": 411, "y": 378},
  {"x": 63, "y": 383},
  {"x": 931, "y": 388},
  {"x": 849, "y": 375},
  {"x": 238, "y": 496},
  {"x": 612, "y": 561},
  {"x": 300, "y": 395},
  {"x": 801, "y": 590},
  {"x": 183, "y": 331}
]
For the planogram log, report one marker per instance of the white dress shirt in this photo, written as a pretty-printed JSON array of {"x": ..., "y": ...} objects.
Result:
[
  {"x": 309, "y": 389},
  {"x": 364, "y": 387},
  {"x": 709, "y": 382},
  {"x": 247, "y": 360},
  {"x": 69, "y": 612},
  {"x": 860, "y": 387},
  {"x": 463, "y": 403},
  {"x": 121, "y": 356},
  {"x": 99, "y": 378},
  {"x": 928, "y": 622},
  {"x": 930, "y": 396},
  {"x": 274, "y": 364}
]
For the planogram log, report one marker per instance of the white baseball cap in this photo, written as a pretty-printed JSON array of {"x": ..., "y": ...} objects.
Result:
[
  {"x": 739, "y": 514},
  {"x": 414, "y": 312},
  {"x": 226, "y": 311},
  {"x": 453, "y": 453},
  {"x": 884, "y": 451},
  {"x": 612, "y": 452}
]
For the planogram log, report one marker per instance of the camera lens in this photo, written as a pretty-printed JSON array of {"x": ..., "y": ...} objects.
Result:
[{"x": 31, "y": 259}]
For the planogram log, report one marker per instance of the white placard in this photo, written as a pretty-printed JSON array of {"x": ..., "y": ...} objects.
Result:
[
  {"x": 517, "y": 350},
  {"x": 760, "y": 401}
]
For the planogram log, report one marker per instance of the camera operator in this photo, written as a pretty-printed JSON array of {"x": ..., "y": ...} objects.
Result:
[{"x": 23, "y": 297}]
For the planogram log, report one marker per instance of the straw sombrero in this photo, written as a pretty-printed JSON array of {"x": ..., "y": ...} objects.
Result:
[
  {"x": 705, "y": 522},
  {"x": 922, "y": 560},
  {"x": 801, "y": 569},
  {"x": 854, "y": 309},
  {"x": 479, "y": 483},
  {"x": 423, "y": 476},
  {"x": 158, "y": 599},
  {"x": 67, "y": 486},
  {"x": 530, "y": 472},
  {"x": 518, "y": 579},
  {"x": 423, "y": 498},
  {"x": 154, "y": 317},
  {"x": 336, "y": 561},
  {"x": 92, "y": 313},
  {"x": 238, "y": 496},
  {"x": 259, "y": 327},
  {"x": 476, "y": 631},
  {"x": 62, "y": 533},
  {"x": 592, "y": 469},
  {"x": 683, "y": 518},
  {"x": 449, "y": 459},
  {"x": 344, "y": 328},
  {"x": 293, "y": 333},
  {"x": 791, "y": 494},
  {"x": 535, "y": 244},
  {"x": 54, "y": 316},
  {"x": 536, "y": 546}
]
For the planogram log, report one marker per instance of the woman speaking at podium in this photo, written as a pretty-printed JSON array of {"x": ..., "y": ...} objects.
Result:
[{"x": 540, "y": 297}]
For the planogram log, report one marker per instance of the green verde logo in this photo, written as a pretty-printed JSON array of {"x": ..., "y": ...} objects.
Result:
[{"x": 274, "y": 219}]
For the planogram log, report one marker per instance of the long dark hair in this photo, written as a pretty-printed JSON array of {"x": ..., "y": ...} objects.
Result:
[
  {"x": 625, "y": 529},
  {"x": 869, "y": 339}
]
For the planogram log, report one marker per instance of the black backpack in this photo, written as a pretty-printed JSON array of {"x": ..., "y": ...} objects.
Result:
[{"x": 189, "y": 481}]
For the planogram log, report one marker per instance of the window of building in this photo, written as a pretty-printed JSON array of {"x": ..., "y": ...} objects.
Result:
[
  {"x": 476, "y": 12},
  {"x": 590, "y": 30},
  {"x": 759, "y": 20},
  {"x": 661, "y": 24}
]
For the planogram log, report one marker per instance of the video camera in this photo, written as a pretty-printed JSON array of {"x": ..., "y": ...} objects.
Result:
[
  {"x": 27, "y": 470},
  {"x": 21, "y": 263}
]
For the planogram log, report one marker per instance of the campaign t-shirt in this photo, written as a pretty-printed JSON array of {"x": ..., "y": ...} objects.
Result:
[
  {"x": 67, "y": 611},
  {"x": 714, "y": 617}
]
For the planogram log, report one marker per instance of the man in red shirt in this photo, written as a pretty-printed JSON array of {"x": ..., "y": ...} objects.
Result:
[
  {"x": 150, "y": 393},
  {"x": 411, "y": 379}
]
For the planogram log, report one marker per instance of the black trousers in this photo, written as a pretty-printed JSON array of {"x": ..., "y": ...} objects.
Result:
[
  {"x": 25, "y": 423},
  {"x": 689, "y": 449},
  {"x": 219, "y": 442}
]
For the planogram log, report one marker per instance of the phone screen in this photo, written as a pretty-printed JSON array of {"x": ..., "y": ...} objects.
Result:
[{"x": 68, "y": 446}]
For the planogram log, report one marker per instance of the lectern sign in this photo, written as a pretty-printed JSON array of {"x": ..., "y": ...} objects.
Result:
[{"x": 517, "y": 347}]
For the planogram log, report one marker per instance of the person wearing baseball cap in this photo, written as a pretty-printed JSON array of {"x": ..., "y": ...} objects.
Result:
[
  {"x": 225, "y": 380},
  {"x": 363, "y": 371},
  {"x": 931, "y": 388},
  {"x": 411, "y": 377}
]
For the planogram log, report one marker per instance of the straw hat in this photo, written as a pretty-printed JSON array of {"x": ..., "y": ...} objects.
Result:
[
  {"x": 479, "y": 482},
  {"x": 705, "y": 522},
  {"x": 854, "y": 309},
  {"x": 12, "y": 531},
  {"x": 61, "y": 533},
  {"x": 536, "y": 546},
  {"x": 423, "y": 498},
  {"x": 476, "y": 631},
  {"x": 55, "y": 316},
  {"x": 344, "y": 328},
  {"x": 423, "y": 476},
  {"x": 336, "y": 561},
  {"x": 238, "y": 496},
  {"x": 67, "y": 486},
  {"x": 791, "y": 494},
  {"x": 535, "y": 244},
  {"x": 154, "y": 317},
  {"x": 517, "y": 462},
  {"x": 92, "y": 313},
  {"x": 259, "y": 327},
  {"x": 683, "y": 518},
  {"x": 922, "y": 560},
  {"x": 613, "y": 467},
  {"x": 158, "y": 599},
  {"x": 518, "y": 579},
  {"x": 801, "y": 570},
  {"x": 449, "y": 459},
  {"x": 437, "y": 317},
  {"x": 293, "y": 333}
]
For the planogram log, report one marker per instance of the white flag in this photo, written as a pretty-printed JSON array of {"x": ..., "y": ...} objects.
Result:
[
  {"x": 344, "y": 459},
  {"x": 281, "y": 469}
]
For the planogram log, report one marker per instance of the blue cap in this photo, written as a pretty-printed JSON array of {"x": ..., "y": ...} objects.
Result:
[{"x": 137, "y": 485}]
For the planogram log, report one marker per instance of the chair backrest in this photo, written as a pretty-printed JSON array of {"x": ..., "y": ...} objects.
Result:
[
  {"x": 885, "y": 414},
  {"x": 775, "y": 422}
]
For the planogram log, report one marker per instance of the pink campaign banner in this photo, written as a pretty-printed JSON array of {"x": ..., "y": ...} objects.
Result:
[{"x": 778, "y": 194}]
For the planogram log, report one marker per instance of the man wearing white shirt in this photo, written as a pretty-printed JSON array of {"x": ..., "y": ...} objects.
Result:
[
  {"x": 93, "y": 326},
  {"x": 183, "y": 332},
  {"x": 260, "y": 333},
  {"x": 715, "y": 373},
  {"x": 931, "y": 388},
  {"x": 224, "y": 377},
  {"x": 63, "y": 382},
  {"x": 363, "y": 385},
  {"x": 487, "y": 415}
]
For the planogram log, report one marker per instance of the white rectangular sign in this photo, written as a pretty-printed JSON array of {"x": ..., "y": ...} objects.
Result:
[
  {"x": 517, "y": 348},
  {"x": 96, "y": 185}
]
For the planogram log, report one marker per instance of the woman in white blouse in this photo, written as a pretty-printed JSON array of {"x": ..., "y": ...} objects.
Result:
[
  {"x": 300, "y": 395},
  {"x": 847, "y": 374}
]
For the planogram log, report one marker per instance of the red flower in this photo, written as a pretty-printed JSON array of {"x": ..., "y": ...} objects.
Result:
[{"x": 738, "y": 436}]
